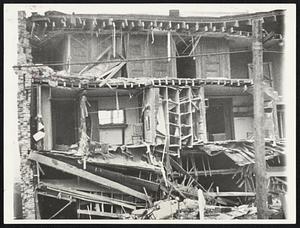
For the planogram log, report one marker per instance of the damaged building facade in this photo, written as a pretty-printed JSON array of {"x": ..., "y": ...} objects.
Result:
[{"x": 123, "y": 115}]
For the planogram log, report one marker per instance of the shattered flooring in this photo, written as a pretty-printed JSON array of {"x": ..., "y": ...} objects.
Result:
[{"x": 135, "y": 184}]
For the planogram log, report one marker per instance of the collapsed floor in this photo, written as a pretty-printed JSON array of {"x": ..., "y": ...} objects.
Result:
[{"x": 146, "y": 182}]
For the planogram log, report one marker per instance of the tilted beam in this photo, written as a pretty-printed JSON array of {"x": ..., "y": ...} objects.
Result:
[{"x": 59, "y": 165}]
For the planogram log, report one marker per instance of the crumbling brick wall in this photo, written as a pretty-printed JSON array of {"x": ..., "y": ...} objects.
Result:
[{"x": 24, "y": 97}]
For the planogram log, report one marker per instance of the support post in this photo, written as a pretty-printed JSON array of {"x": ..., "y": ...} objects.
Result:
[
  {"x": 69, "y": 52},
  {"x": 203, "y": 114},
  {"x": 259, "y": 142}
]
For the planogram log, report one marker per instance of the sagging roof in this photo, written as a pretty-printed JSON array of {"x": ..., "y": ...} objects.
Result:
[
  {"x": 242, "y": 152},
  {"x": 46, "y": 76}
]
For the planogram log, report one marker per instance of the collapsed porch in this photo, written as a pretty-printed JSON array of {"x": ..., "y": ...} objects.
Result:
[{"x": 103, "y": 187}]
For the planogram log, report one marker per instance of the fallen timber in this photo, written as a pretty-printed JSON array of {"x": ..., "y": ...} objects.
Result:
[
  {"x": 86, "y": 196},
  {"x": 172, "y": 190},
  {"x": 107, "y": 162},
  {"x": 86, "y": 175},
  {"x": 127, "y": 180}
]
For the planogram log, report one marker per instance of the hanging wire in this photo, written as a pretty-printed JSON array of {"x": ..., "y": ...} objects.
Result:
[{"x": 141, "y": 59}]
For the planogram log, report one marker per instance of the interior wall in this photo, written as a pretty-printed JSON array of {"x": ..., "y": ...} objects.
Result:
[
  {"x": 131, "y": 113},
  {"x": 51, "y": 51},
  {"x": 242, "y": 108},
  {"x": 212, "y": 66},
  {"x": 85, "y": 48},
  {"x": 243, "y": 117},
  {"x": 243, "y": 127}
]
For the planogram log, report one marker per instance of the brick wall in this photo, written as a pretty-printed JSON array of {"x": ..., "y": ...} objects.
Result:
[{"x": 24, "y": 97}]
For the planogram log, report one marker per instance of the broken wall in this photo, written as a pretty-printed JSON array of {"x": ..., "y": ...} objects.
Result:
[{"x": 24, "y": 137}]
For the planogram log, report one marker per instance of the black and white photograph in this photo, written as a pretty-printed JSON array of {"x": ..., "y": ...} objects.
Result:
[{"x": 149, "y": 113}]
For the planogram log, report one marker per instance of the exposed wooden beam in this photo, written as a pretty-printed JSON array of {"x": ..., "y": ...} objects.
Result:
[
  {"x": 88, "y": 196},
  {"x": 98, "y": 213},
  {"x": 59, "y": 165},
  {"x": 116, "y": 17},
  {"x": 87, "y": 67}
]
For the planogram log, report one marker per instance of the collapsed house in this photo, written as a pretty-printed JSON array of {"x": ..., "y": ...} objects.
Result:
[{"x": 121, "y": 113}]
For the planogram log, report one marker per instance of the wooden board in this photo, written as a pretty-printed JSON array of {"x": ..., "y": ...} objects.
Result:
[{"x": 98, "y": 213}]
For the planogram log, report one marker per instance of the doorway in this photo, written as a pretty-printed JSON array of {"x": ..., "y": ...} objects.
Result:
[
  {"x": 64, "y": 123},
  {"x": 219, "y": 119}
]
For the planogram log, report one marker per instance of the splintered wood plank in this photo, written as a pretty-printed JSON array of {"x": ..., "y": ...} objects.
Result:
[
  {"x": 84, "y": 174},
  {"x": 112, "y": 73}
]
